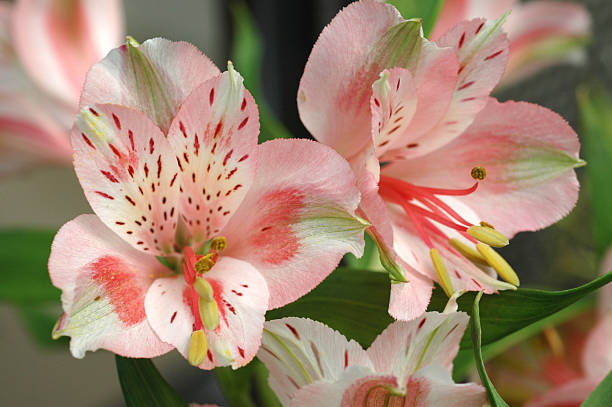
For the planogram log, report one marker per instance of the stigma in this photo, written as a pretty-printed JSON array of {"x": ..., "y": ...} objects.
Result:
[{"x": 431, "y": 216}]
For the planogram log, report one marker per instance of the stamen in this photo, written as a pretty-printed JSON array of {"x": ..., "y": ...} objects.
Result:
[
  {"x": 500, "y": 265},
  {"x": 205, "y": 263},
  {"x": 218, "y": 244},
  {"x": 468, "y": 252},
  {"x": 204, "y": 289},
  {"x": 478, "y": 173},
  {"x": 440, "y": 268},
  {"x": 485, "y": 224},
  {"x": 209, "y": 312},
  {"x": 198, "y": 347},
  {"x": 488, "y": 235}
]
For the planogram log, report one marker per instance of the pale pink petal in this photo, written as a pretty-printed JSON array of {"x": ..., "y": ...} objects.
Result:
[
  {"x": 334, "y": 93},
  {"x": 435, "y": 385},
  {"x": 214, "y": 137},
  {"x": 597, "y": 354},
  {"x": 393, "y": 104},
  {"x": 528, "y": 152},
  {"x": 128, "y": 172},
  {"x": 330, "y": 394},
  {"x": 482, "y": 49},
  {"x": 409, "y": 300},
  {"x": 454, "y": 11},
  {"x": 571, "y": 394},
  {"x": 154, "y": 78},
  {"x": 297, "y": 220},
  {"x": 241, "y": 295},
  {"x": 404, "y": 348},
  {"x": 435, "y": 80},
  {"x": 58, "y": 41},
  {"x": 544, "y": 33},
  {"x": 104, "y": 282},
  {"x": 299, "y": 351}
]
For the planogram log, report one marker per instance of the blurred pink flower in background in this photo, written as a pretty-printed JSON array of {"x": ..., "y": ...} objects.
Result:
[
  {"x": 46, "y": 49},
  {"x": 541, "y": 33}
]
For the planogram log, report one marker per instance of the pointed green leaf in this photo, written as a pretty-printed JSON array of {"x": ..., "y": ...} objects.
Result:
[
  {"x": 494, "y": 397},
  {"x": 428, "y": 10},
  {"x": 602, "y": 395},
  {"x": 143, "y": 386},
  {"x": 247, "y": 386}
]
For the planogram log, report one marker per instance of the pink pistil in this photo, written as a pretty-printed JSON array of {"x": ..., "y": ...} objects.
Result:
[
  {"x": 190, "y": 275},
  {"x": 402, "y": 193}
]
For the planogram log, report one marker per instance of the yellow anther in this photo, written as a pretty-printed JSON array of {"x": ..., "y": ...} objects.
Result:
[
  {"x": 500, "y": 265},
  {"x": 468, "y": 252},
  {"x": 488, "y": 235},
  {"x": 440, "y": 268},
  {"x": 478, "y": 173},
  {"x": 217, "y": 244},
  {"x": 486, "y": 224},
  {"x": 209, "y": 313},
  {"x": 198, "y": 346},
  {"x": 204, "y": 289},
  {"x": 205, "y": 263},
  {"x": 554, "y": 341}
]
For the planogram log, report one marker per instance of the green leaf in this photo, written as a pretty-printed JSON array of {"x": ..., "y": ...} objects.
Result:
[
  {"x": 494, "y": 397},
  {"x": 143, "y": 386},
  {"x": 23, "y": 258},
  {"x": 428, "y": 10},
  {"x": 510, "y": 311},
  {"x": 247, "y": 51},
  {"x": 353, "y": 302},
  {"x": 247, "y": 386},
  {"x": 602, "y": 395},
  {"x": 596, "y": 116}
]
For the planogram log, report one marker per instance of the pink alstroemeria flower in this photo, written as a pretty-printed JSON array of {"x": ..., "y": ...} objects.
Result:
[
  {"x": 542, "y": 33},
  {"x": 435, "y": 156},
  {"x": 174, "y": 171},
  {"x": 596, "y": 357},
  {"x": 46, "y": 48},
  {"x": 409, "y": 364}
]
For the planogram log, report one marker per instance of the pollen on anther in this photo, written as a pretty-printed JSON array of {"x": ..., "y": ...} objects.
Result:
[{"x": 478, "y": 173}]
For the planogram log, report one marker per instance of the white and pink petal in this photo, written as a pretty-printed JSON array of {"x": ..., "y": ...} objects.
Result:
[
  {"x": 129, "y": 175},
  {"x": 104, "y": 282},
  {"x": 298, "y": 218},
  {"x": 299, "y": 352},
  {"x": 241, "y": 296},
  {"x": 154, "y": 78},
  {"x": 214, "y": 138}
]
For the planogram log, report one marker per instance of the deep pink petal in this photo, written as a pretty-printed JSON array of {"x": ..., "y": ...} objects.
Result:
[
  {"x": 334, "y": 93},
  {"x": 128, "y": 172},
  {"x": 297, "y": 220},
  {"x": 571, "y": 394},
  {"x": 154, "y": 78},
  {"x": 58, "y": 42},
  {"x": 241, "y": 295},
  {"x": 529, "y": 153},
  {"x": 104, "y": 282},
  {"x": 214, "y": 137},
  {"x": 404, "y": 348},
  {"x": 299, "y": 351}
]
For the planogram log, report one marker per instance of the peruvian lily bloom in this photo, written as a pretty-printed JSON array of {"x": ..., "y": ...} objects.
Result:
[
  {"x": 46, "y": 48},
  {"x": 172, "y": 169},
  {"x": 596, "y": 357},
  {"x": 409, "y": 364},
  {"x": 438, "y": 161},
  {"x": 542, "y": 32}
]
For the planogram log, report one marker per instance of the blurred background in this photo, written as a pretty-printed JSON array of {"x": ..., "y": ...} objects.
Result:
[{"x": 36, "y": 373}]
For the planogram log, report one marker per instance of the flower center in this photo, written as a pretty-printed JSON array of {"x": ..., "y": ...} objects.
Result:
[
  {"x": 201, "y": 297},
  {"x": 427, "y": 211}
]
